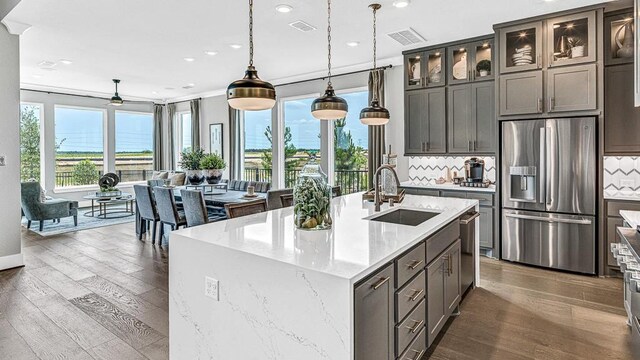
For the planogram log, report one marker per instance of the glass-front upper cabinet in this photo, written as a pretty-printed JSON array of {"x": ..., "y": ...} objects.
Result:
[
  {"x": 414, "y": 73},
  {"x": 459, "y": 64},
  {"x": 572, "y": 39},
  {"x": 425, "y": 69},
  {"x": 435, "y": 61},
  {"x": 521, "y": 47},
  {"x": 618, "y": 37},
  {"x": 482, "y": 60}
]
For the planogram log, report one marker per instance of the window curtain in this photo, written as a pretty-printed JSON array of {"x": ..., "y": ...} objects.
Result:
[
  {"x": 235, "y": 144},
  {"x": 376, "y": 133},
  {"x": 171, "y": 114},
  {"x": 195, "y": 123},
  {"x": 158, "y": 112}
]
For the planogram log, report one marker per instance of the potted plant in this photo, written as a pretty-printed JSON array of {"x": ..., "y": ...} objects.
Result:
[
  {"x": 190, "y": 163},
  {"x": 577, "y": 47},
  {"x": 483, "y": 67},
  {"x": 213, "y": 164}
]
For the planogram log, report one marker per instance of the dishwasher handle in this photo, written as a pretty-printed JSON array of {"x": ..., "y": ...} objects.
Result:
[{"x": 467, "y": 220}]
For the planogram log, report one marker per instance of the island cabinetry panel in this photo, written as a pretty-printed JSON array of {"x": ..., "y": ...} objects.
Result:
[
  {"x": 409, "y": 296},
  {"x": 412, "y": 325},
  {"x": 417, "y": 348},
  {"x": 452, "y": 277},
  {"x": 410, "y": 264},
  {"x": 613, "y": 221},
  {"x": 443, "y": 289},
  {"x": 374, "y": 316},
  {"x": 622, "y": 118}
]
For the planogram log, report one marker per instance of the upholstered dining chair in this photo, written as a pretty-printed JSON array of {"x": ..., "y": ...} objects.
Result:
[
  {"x": 274, "y": 200},
  {"x": 286, "y": 200},
  {"x": 146, "y": 205},
  {"x": 195, "y": 209},
  {"x": 35, "y": 208},
  {"x": 167, "y": 208},
  {"x": 235, "y": 210},
  {"x": 336, "y": 191}
]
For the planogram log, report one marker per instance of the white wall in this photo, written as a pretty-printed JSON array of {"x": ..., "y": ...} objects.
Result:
[{"x": 10, "y": 243}]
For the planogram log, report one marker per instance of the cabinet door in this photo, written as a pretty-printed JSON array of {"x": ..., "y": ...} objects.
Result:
[
  {"x": 572, "y": 88},
  {"x": 486, "y": 227},
  {"x": 571, "y": 39},
  {"x": 483, "y": 117},
  {"x": 618, "y": 38},
  {"x": 435, "y": 65},
  {"x": 521, "y": 47},
  {"x": 374, "y": 317},
  {"x": 459, "y": 115},
  {"x": 621, "y": 116},
  {"x": 414, "y": 125},
  {"x": 436, "y": 134},
  {"x": 452, "y": 277},
  {"x": 435, "y": 298},
  {"x": 521, "y": 93},
  {"x": 612, "y": 237},
  {"x": 482, "y": 61},
  {"x": 458, "y": 62},
  {"x": 414, "y": 73}
]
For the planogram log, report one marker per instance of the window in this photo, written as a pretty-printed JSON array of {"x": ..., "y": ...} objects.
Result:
[
  {"x": 79, "y": 135},
  {"x": 258, "y": 147},
  {"x": 301, "y": 137},
  {"x": 351, "y": 139},
  {"x": 134, "y": 146},
  {"x": 30, "y": 115},
  {"x": 182, "y": 134}
]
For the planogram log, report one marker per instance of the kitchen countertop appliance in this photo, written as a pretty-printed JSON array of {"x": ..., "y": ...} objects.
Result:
[
  {"x": 474, "y": 170},
  {"x": 549, "y": 193}
]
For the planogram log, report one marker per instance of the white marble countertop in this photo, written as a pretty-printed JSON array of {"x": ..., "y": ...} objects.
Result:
[
  {"x": 631, "y": 217},
  {"x": 446, "y": 186},
  {"x": 352, "y": 249}
]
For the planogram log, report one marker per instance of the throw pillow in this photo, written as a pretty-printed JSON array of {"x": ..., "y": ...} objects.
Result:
[
  {"x": 43, "y": 195},
  {"x": 158, "y": 175},
  {"x": 177, "y": 179}
]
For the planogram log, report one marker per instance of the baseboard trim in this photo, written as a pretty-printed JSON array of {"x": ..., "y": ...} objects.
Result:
[{"x": 11, "y": 261}]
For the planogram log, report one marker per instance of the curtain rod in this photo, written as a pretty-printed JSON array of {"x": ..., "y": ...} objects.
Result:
[
  {"x": 335, "y": 76},
  {"x": 86, "y": 96},
  {"x": 183, "y": 101}
]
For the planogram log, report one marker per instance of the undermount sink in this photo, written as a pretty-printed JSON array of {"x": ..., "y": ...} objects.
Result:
[{"x": 405, "y": 217}]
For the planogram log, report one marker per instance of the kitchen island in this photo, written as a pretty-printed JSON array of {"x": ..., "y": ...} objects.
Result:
[{"x": 278, "y": 293}]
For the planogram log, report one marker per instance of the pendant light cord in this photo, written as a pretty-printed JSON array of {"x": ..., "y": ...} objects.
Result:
[
  {"x": 374, "y": 98},
  {"x": 329, "y": 41},
  {"x": 250, "y": 32}
]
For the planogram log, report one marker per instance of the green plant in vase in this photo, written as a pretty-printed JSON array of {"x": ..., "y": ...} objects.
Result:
[
  {"x": 190, "y": 162},
  {"x": 483, "y": 67},
  {"x": 576, "y": 46},
  {"x": 311, "y": 199},
  {"x": 213, "y": 164}
]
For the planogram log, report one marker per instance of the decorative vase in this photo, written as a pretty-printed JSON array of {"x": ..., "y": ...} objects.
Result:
[
  {"x": 562, "y": 47},
  {"x": 312, "y": 198},
  {"x": 483, "y": 73},
  {"x": 626, "y": 46},
  {"x": 195, "y": 177},
  {"x": 213, "y": 176},
  {"x": 577, "y": 51}
]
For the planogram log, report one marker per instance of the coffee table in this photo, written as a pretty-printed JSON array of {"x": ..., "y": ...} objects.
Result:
[{"x": 111, "y": 207}]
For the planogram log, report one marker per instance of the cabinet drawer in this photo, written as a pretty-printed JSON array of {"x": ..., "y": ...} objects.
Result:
[
  {"x": 614, "y": 207},
  {"x": 410, "y": 295},
  {"x": 454, "y": 194},
  {"x": 410, "y": 264},
  {"x": 407, "y": 330},
  {"x": 441, "y": 240},
  {"x": 417, "y": 348},
  {"x": 485, "y": 199}
]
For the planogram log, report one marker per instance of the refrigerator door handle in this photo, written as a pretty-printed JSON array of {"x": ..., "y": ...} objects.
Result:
[
  {"x": 547, "y": 161},
  {"x": 550, "y": 220},
  {"x": 543, "y": 162}
]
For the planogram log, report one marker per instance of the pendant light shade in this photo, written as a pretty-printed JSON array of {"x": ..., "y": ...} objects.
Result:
[
  {"x": 374, "y": 114},
  {"x": 329, "y": 106},
  {"x": 251, "y": 93},
  {"x": 116, "y": 100}
]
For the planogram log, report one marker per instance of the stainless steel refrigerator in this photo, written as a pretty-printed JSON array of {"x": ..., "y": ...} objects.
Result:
[{"x": 549, "y": 193}]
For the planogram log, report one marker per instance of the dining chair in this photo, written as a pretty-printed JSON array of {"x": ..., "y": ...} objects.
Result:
[
  {"x": 274, "y": 200},
  {"x": 167, "y": 208},
  {"x": 146, "y": 206},
  {"x": 235, "y": 210},
  {"x": 336, "y": 191},
  {"x": 286, "y": 200},
  {"x": 195, "y": 209}
]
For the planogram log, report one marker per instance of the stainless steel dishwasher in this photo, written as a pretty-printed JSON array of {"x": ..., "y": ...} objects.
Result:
[{"x": 467, "y": 237}]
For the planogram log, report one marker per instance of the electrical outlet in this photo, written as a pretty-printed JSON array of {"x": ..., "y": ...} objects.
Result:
[
  {"x": 627, "y": 183},
  {"x": 3, "y": 160},
  {"x": 211, "y": 288}
]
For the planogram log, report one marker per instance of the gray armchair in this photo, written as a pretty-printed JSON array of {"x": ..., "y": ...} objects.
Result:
[{"x": 36, "y": 210}]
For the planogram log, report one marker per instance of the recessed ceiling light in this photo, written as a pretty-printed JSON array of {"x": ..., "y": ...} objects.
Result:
[
  {"x": 235, "y": 46},
  {"x": 189, "y": 59},
  {"x": 210, "y": 53},
  {"x": 353, "y": 43},
  {"x": 284, "y": 8},
  {"x": 66, "y": 61},
  {"x": 401, "y": 3}
]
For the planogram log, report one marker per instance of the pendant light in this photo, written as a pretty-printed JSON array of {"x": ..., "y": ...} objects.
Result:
[
  {"x": 116, "y": 100},
  {"x": 250, "y": 93},
  {"x": 374, "y": 114},
  {"x": 329, "y": 106}
]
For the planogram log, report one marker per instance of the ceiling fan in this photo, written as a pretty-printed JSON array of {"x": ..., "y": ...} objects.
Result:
[{"x": 116, "y": 100}]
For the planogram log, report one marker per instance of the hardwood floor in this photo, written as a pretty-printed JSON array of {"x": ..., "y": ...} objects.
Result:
[{"x": 102, "y": 294}]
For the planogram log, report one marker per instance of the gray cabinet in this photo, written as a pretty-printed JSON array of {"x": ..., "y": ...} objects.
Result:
[
  {"x": 374, "y": 316},
  {"x": 571, "y": 39},
  {"x": 425, "y": 69},
  {"x": 459, "y": 62},
  {"x": 486, "y": 227},
  {"x": 572, "y": 88},
  {"x": 471, "y": 118},
  {"x": 612, "y": 237},
  {"x": 521, "y": 47},
  {"x": 459, "y": 119},
  {"x": 425, "y": 119},
  {"x": 436, "y": 307},
  {"x": 452, "y": 277},
  {"x": 521, "y": 93},
  {"x": 483, "y": 117},
  {"x": 621, "y": 118}
]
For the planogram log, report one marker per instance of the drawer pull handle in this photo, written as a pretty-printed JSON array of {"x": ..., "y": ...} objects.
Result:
[
  {"x": 416, "y": 295},
  {"x": 380, "y": 282},
  {"x": 415, "y": 264},
  {"x": 415, "y": 327},
  {"x": 420, "y": 353}
]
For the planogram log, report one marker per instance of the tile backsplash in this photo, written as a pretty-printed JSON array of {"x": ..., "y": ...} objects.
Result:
[
  {"x": 427, "y": 169},
  {"x": 621, "y": 177}
]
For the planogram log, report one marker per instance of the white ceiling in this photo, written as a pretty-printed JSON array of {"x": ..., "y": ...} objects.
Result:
[{"x": 143, "y": 42}]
